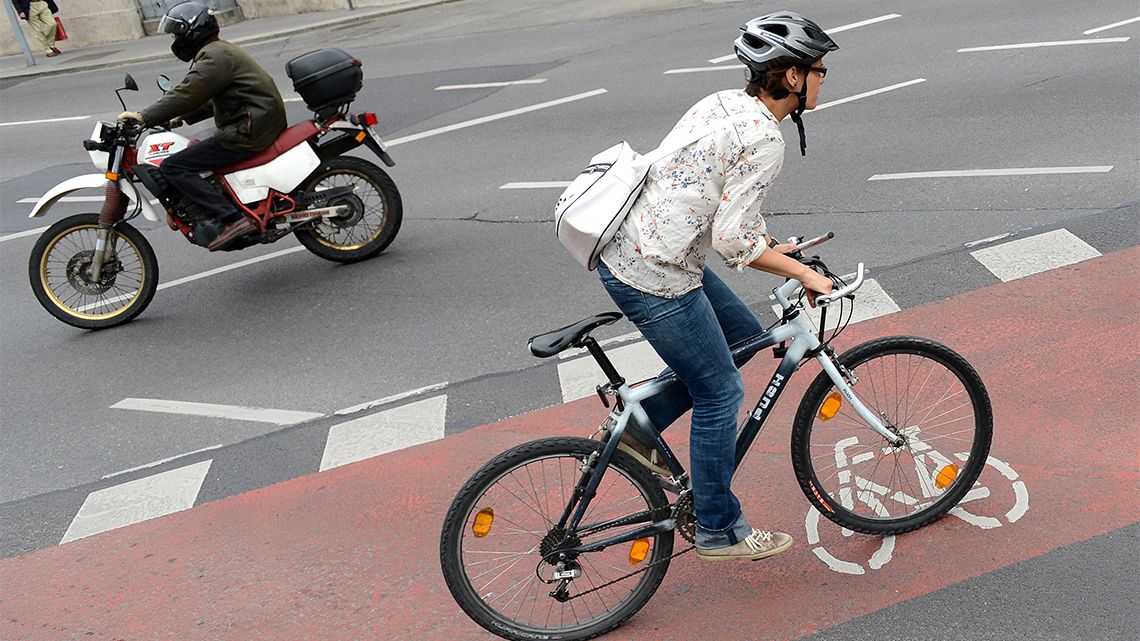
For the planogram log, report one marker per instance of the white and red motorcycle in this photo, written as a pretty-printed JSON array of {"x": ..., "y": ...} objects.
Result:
[{"x": 96, "y": 271}]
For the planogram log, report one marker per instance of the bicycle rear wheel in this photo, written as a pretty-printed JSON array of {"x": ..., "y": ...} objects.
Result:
[
  {"x": 504, "y": 520},
  {"x": 919, "y": 389}
]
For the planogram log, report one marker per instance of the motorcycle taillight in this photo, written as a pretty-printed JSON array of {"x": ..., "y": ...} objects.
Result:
[{"x": 369, "y": 119}]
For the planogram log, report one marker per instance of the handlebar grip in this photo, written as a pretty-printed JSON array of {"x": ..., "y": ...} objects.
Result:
[{"x": 827, "y": 299}]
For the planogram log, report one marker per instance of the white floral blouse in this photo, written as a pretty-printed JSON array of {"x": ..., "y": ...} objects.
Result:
[{"x": 708, "y": 194}]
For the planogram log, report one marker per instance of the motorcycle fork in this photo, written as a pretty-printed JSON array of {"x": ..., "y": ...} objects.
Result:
[{"x": 114, "y": 209}]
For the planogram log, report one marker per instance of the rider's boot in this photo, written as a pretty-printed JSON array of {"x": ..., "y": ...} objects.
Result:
[{"x": 232, "y": 231}]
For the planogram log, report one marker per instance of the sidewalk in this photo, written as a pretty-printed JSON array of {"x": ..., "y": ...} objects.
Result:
[{"x": 158, "y": 47}]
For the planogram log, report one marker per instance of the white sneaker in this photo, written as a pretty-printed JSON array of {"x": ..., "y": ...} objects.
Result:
[{"x": 758, "y": 545}]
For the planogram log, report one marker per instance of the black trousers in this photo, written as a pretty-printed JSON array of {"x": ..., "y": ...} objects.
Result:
[{"x": 183, "y": 171}]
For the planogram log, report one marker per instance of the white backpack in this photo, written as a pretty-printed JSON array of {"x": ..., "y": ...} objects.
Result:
[{"x": 595, "y": 203}]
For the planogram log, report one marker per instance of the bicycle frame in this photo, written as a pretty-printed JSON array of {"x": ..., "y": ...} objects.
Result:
[{"x": 796, "y": 329}]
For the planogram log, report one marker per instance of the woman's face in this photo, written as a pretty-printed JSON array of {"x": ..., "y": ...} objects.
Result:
[{"x": 815, "y": 79}]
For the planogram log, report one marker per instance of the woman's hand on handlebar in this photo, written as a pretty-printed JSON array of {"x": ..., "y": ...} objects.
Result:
[{"x": 814, "y": 283}]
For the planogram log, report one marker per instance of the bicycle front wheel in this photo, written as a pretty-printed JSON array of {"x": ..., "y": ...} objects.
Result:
[
  {"x": 497, "y": 538},
  {"x": 919, "y": 389}
]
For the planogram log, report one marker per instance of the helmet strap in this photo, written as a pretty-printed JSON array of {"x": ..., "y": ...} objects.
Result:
[{"x": 802, "y": 95}]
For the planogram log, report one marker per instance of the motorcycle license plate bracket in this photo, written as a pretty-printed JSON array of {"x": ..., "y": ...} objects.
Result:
[{"x": 370, "y": 139}]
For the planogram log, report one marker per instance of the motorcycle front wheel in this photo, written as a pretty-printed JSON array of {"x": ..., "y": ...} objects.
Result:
[
  {"x": 60, "y": 273},
  {"x": 373, "y": 217}
]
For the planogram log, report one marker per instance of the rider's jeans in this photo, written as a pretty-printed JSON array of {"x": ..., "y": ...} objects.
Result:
[{"x": 691, "y": 334}]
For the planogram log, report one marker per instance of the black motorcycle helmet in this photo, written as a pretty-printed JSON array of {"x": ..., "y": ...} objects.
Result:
[{"x": 192, "y": 26}]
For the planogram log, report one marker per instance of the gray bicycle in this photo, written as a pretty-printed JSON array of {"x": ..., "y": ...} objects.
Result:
[{"x": 566, "y": 538}]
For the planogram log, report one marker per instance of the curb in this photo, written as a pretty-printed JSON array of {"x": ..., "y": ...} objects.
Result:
[{"x": 361, "y": 15}]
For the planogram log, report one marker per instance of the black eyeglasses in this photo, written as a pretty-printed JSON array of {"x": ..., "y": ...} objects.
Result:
[{"x": 822, "y": 71}]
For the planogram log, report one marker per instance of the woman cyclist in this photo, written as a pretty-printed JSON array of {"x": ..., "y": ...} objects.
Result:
[{"x": 708, "y": 196}]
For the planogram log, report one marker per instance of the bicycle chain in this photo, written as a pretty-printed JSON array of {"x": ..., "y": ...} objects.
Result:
[{"x": 635, "y": 572}]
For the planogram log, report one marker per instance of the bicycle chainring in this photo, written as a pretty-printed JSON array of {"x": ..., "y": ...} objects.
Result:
[{"x": 685, "y": 516}]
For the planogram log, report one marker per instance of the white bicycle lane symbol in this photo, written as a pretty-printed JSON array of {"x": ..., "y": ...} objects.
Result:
[{"x": 874, "y": 496}]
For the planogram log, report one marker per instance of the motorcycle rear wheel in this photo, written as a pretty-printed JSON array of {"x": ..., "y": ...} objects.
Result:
[
  {"x": 374, "y": 217},
  {"x": 59, "y": 271}
]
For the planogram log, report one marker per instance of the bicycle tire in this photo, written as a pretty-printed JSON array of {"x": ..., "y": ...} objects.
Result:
[
  {"x": 812, "y": 438},
  {"x": 457, "y": 539}
]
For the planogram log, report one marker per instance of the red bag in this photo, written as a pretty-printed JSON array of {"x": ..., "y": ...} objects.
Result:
[{"x": 60, "y": 34}]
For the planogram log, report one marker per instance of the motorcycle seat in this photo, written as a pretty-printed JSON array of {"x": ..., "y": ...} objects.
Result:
[{"x": 288, "y": 139}]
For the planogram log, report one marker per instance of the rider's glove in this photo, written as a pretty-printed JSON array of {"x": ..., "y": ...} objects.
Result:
[
  {"x": 131, "y": 115},
  {"x": 174, "y": 123}
]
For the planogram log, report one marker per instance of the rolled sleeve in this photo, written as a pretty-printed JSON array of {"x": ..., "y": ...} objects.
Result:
[{"x": 738, "y": 228}]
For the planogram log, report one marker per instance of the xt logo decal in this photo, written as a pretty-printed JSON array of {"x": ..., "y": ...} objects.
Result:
[{"x": 160, "y": 147}]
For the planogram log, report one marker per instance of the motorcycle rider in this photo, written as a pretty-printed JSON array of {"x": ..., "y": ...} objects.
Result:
[{"x": 225, "y": 82}]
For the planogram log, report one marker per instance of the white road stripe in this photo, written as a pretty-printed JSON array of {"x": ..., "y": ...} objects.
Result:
[
  {"x": 1058, "y": 43},
  {"x": 1112, "y": 26},
  {"x": 971, "y": 173},
  {"x": 830, "y": 31},
  {"x": 986, "y": 241},
  {"x": 40, "y": 122},
  {"x": 866, "y": 94},
  {"x": 494, "y": 117},
  {"x": 383, "y": 432},
  {"x": 292, "y": 99},
  {"x": 536, "y": 185},
  {"x": 160, "y": 462},
  {"x": 235, "y": 412},
  {"x": 489, "y": 85},
  {"x": 22, "y": 234},
  {"x": 1028, "y": 256},
  {"x": 390, "y": 399},
  {"x": 138, "y": 500},
  {"x": 701, "y": 69}
]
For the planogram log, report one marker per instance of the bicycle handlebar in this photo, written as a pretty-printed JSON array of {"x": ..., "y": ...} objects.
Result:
[{"x": 826, "y": 299}]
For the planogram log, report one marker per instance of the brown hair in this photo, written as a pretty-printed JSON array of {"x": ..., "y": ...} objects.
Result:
[{"x": 771, "y": 82}]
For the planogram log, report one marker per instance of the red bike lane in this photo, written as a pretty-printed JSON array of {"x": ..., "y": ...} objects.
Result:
[{"x": 352, "y": 553}]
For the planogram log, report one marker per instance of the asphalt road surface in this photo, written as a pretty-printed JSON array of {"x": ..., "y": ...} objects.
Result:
[{"x": 476, "y": 269}]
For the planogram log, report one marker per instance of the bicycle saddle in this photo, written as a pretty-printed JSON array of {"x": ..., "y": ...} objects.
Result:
[{"x": 551, "y": 343}]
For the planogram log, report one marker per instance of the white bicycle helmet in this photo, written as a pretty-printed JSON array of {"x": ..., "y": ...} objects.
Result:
[{"x": 784, "y": 35}]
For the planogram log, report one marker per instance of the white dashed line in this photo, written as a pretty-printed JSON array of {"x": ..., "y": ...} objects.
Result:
[
  {"x": 23, "y": 234},
  {"x": 489, "y": 85},
  {"x": 234, "y": 412},
  {"x": 45, "y": 121},
  {"x": 138, "y": 500},
  {"x": 1058, "y": 43},
  {"x": 1033, "y": 255},
  {"x": 161, "y": 462},
  {"x": 866, "y": 94},
  {"x": 636, "y": 362},
  {"x": 1112, "y": 26},
  {"x": 974, "y": 173},
  {"x": 555, "y": 184},
  {"x": 494, "y": 117}
]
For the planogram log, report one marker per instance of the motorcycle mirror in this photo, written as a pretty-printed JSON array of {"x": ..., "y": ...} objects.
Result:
[
  {"x": 164, "y": 83},
  {"x": 129, "y": 83}
]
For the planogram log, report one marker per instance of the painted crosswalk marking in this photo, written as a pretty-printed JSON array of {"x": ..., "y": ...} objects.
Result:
[
  {"x": 138, "y": 500},
  {"x": 383, "y": 432},
  {"x": 1028, "y": 256}
]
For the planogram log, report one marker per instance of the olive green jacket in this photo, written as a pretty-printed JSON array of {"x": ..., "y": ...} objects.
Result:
[{"x": 225, "y": 82}]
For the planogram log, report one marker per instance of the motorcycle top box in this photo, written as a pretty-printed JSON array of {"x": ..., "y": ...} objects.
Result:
[{"x": 327, "y": 79}]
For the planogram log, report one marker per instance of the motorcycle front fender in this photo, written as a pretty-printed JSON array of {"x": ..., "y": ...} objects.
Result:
[{"x": 92, "y": 181}]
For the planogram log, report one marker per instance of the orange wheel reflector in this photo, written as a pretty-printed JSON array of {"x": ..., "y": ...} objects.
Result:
[
  {"x": 946, "y": 476},
  {"x": 639, "y": 551},
  {"x": 482, "y": 524},
  {"x": 830, "y": 406}
]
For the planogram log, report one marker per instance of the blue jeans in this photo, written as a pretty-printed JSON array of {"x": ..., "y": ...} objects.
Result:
[{"x": 692, "y": 334}]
